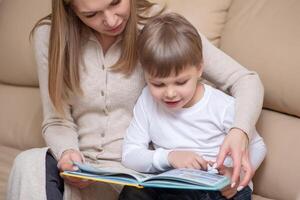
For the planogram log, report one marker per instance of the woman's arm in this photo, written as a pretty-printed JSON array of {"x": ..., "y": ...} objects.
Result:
[
  {"x": 228, "y": 75},
  {"x": 59, "y": 133}
]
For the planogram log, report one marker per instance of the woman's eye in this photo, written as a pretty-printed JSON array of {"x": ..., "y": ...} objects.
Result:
[
  {"x": 115, "y": 2},
  {"x": 91, "y": 15}
]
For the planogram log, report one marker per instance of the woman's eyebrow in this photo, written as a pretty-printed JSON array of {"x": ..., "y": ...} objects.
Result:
[
  {"x": 93, "y": 11},
  {"x": 88, "y": 12}
]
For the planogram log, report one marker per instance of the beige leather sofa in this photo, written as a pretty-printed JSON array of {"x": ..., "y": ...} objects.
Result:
[{"x": 263, "y": 35}]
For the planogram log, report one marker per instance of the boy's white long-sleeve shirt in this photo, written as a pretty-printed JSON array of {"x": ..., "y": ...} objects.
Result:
[{"x": 200, "y": 128}]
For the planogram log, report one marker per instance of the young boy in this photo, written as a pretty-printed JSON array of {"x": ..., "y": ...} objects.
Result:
[{"x": 186, "y": 121}]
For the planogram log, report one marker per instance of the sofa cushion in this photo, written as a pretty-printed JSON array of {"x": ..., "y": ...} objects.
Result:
[
  {"x": 258, "y": 197},
  {"x": 279, "y": 177},
  {"x": 264, "y": 35},
  {"x": 208, "y": 16},
  {"x": 17, "y": 63},
  {"x": 20, "y": 117}
]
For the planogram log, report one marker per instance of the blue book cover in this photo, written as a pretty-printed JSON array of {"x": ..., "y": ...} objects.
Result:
[{"x": 175, "y": 178}]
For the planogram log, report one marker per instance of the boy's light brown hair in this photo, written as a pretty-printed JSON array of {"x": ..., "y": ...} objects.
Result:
[{"x": 168, "y": 44}]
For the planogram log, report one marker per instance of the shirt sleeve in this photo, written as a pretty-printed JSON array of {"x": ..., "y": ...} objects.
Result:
[
  {"x": 228, "y": 115},
  {"x": 257, "y": 151},
  {"x": 136, "y": 153},
  {"x": 59, "y": 133},
  {"x": 228, "y": 75}
]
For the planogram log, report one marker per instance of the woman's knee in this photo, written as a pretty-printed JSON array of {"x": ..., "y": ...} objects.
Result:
[
  {"x": 26, "y": 161},
  {"x": 23, "y": 159}
]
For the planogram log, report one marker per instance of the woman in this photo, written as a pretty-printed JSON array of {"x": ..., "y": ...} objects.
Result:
[{"x": 90, "y": 80}]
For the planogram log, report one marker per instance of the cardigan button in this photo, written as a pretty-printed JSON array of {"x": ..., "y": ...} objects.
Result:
[
  {"x": 105, "y": 111},
  {"x": 99, "y": 148}
]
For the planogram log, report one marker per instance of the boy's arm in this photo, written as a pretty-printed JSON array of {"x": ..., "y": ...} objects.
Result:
[
  {"x": 136, "y": 153},
  {"x": 257, "y": 151}
]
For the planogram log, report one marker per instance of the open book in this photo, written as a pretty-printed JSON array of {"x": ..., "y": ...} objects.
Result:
[{"x": 175, "y": 178}]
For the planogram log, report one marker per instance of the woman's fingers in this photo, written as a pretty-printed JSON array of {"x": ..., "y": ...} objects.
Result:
[
  {"x": 77, "y": 182},
  {"x": 236, "y": 157},
  {"x": 247, "y": 169},
  {"x": 66, "y": 162},
  {"x": 224, "y": 151},
  {"x": 235, "y": 145},
  {"x": 65, "y": 165}
]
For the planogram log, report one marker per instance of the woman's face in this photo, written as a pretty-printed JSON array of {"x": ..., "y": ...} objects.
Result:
[{"x": 107, "y": 17}]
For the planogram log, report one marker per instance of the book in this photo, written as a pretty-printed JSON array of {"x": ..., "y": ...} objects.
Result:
[{"x": 174, "y": 178}]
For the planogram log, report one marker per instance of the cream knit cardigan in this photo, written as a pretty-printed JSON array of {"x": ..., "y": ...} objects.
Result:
[{"x": 96, "y": 122}]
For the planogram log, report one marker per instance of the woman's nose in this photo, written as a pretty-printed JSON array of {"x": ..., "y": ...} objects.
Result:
[{"x": 110, "y": 19}]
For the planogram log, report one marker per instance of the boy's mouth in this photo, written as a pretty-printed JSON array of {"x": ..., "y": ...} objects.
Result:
[{"x": 172, "y": 103}]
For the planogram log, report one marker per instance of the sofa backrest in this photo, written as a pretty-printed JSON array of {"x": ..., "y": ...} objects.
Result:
[
  {"x": 267, "y": 33},
  {"x": 21, "y": 115},
  {"x": 208, "y": 16},
  {"x": 17, "y": 63},
  {"x": 264, "y": 35}
]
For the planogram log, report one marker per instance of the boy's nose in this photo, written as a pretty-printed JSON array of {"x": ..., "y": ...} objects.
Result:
[{"x": 170, "y": 93}]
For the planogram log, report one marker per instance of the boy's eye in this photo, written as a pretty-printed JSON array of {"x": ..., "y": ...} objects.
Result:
[
  {"x": 157, "y": 84},
  {"x": 115, "y": 2},
  {"x": 181, "y": 82}
]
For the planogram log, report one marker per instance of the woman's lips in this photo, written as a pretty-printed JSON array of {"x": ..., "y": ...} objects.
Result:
[{"x": 116, "y": 29}]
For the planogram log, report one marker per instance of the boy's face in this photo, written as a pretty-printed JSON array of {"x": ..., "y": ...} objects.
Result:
[{"x": 179, "y": 91}]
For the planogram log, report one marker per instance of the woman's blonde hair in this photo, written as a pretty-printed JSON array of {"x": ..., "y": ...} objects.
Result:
[
  {"x": 168, "y": 44},
  {"x": 67, "y": 35}
]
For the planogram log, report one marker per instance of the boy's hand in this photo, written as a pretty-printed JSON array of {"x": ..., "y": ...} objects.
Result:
[
  {"x": 186, "y": 159},
  {"x": 228, "y": 192},
  {"x": 65, "y": 163}
]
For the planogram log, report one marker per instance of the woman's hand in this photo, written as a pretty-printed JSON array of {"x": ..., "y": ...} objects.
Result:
[
  {"x": 186, "y": 159},
  {"x": 228, "y": 192},
  {"x": 65, "y": 163},
  {"x": 236, "y": 146}
]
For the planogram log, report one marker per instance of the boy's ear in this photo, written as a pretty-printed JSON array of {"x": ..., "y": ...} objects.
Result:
[
  {"x": 200, "y": 70},
  {"x": 146, "y": 75}
]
